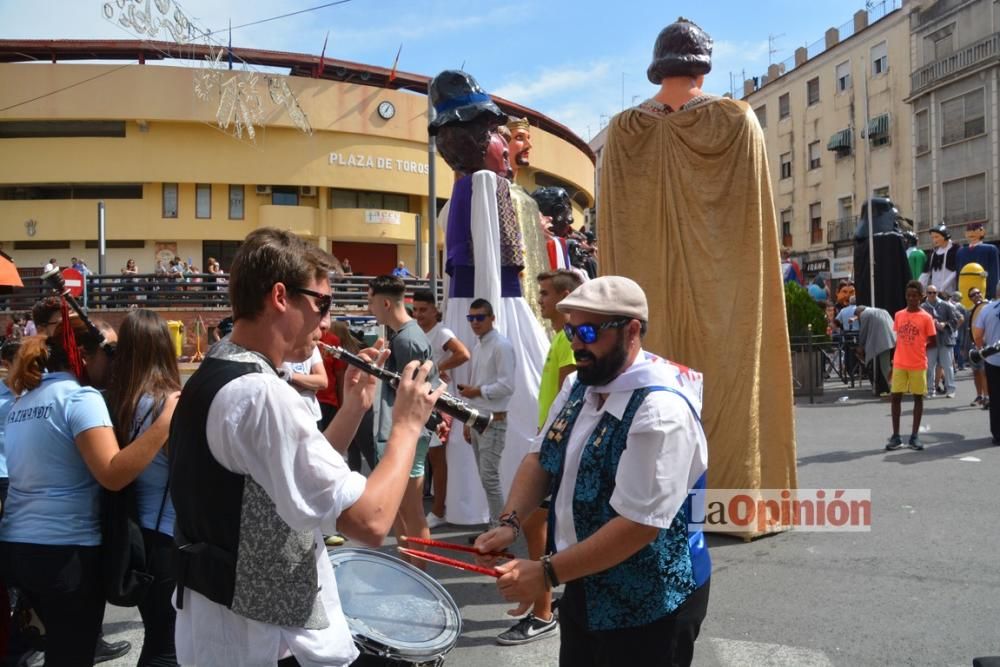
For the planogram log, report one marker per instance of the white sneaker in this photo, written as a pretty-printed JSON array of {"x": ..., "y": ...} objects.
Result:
[
  {"x": 951, "y": 394},
  {"x": 434, "y": 521}
]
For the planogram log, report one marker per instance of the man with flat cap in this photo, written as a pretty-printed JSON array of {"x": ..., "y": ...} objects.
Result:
[
  {"x": 485, "y": 254},
  {"x": 685, "y": 207},
  {"x": 620, "y": 453}
]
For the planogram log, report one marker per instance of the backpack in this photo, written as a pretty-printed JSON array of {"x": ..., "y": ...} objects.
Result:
[{"x": 125, "y": 572}]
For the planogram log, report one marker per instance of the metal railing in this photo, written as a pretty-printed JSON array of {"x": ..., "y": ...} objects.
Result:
[
  {"x": 195, "y": 291},
  {"x": 963, "y": 59},
  {"x": 842, "y": 229}
]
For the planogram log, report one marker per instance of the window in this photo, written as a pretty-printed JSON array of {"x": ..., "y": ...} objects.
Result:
[
  {"x": 841, "y": 143},
  {"x": 881, "y": 192},
  {"x": 965, "y": 199},
  {"x": 169, "y": 200},
  {"x": 36, "y": 129},
  {"x": 924, "y": 208},
  {"x": 786, "y": 228},
  {"x": 844, "y": 76},
  {"x": 283, "y": 195},
  {"x": 236, "y": 197},
  {"x": 203, "y": 200},
  {"x": 70, "y": 191},
  {"x": 878, "y": 130},
  {"x": 815, "y": 223},
  {"x": 784, "y": 106},
  {"x": 964, "y": 117},
  {"x": 814, "y": 155},
  {"x": 880, "y": 59},
  {"x": 761, "y": 112},
  {"x": 923, "y": 122},
  {"x": 812, "y": 91},
  {"x": 845, "y": 208},
  {"x": 387, "y": 201},
  {"x": 786, "y": 165},
  {"x": 944, "y": 46}
]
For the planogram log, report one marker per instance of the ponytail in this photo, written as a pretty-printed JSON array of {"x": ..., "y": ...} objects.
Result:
[{"x": 29, "y": 365}]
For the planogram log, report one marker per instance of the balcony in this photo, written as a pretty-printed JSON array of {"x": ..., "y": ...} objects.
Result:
[
  {"x": 974, "y": 55},
  {"x": 841, "y": 230}
]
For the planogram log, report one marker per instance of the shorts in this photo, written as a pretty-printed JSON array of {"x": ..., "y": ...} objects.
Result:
[
  {"x": 973, "y": 365},
  {"x": 905, "y": 381},
  {"x": 419, "y": 459}
]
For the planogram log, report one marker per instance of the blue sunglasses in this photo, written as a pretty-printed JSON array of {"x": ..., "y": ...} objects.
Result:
[
  {"x": 478, "y": 317},
  {"x": 588, "y": 333}
]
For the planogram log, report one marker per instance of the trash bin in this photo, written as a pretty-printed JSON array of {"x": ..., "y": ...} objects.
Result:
[
  {"x": 972, "y": 275},
  {"x": 177, "y": 336}
]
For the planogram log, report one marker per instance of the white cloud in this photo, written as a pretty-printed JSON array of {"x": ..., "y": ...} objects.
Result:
[{"x": 551, "y": 81}]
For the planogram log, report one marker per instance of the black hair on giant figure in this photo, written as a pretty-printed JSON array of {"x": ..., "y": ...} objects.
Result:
[
  {"x": 681, "y": 49},
  {"x": 554, "y": 202},
  {"x": 464, "y": 145},
  {"x": 911, "y": 239},
  {"x": 458, "y": 98}
]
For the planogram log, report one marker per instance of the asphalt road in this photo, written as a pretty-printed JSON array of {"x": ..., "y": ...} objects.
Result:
[{"x": 921, "y": 588}]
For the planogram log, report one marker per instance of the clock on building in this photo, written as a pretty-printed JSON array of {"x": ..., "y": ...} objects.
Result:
[{"x": 386, "y": 110}]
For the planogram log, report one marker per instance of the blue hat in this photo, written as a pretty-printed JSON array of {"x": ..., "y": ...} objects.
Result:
[{"x": 458, "y": 98}]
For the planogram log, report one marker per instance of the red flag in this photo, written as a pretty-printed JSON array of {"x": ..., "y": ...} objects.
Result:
[
  {"x": 395, "y": 63},
  {"x": 322, "y": 55}
]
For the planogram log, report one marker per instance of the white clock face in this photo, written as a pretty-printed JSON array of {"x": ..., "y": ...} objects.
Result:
[{"x": 386, "y": 110}]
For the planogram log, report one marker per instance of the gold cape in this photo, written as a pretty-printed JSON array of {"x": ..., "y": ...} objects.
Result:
[
  {"x": 536, "y": 254},
  {"x": 685, "y": 210}
]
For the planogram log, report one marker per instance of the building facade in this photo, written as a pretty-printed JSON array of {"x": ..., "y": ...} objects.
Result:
[
  {"x": 955, "y": 50},
  {"x": 174, "y": 183},
  {"x": 813, "y": 112}
]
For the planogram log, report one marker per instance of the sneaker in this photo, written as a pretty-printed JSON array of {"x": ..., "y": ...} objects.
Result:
[
  {"x": 914, "y": 443},
  {"x": 950, "y": 394},
  {"x": 894, "y": 443},
  {"x": 107, "y": 651},
  {"x": 986, "y": 403},
  {"x": 978, "y": 401},
  {"x": 529, "y": 629},
  {"x": 434, "y": 521}
]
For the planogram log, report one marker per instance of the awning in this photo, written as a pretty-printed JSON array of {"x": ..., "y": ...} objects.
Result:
[
  {"x": 841, "y": 141},
  {"x": 9, "y": 277},
  {"x": 878, "y": 127}
]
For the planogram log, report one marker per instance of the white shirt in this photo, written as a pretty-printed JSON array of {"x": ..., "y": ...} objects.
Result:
[
  {"x": 305, "y": 368},
  {"x": 439, "y": 336},
  {"x": 493, "y": 364},
  {"x": 667, "y": 451},
  {"x": 258, "y": 426}
]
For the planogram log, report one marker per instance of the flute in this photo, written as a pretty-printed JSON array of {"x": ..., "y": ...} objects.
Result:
[
  {"x": 474, "y": 418},
  {"x": 55, "y": 280}
]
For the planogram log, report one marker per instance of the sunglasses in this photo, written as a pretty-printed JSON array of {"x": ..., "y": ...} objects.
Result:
[
  {"x": 323, "y": 301},
  {"x": 588, "y": 333},
  {"x": 478, "y": 317}
]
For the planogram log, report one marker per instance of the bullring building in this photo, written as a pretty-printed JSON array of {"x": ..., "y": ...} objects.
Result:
[{"x": 131, "y": 128}]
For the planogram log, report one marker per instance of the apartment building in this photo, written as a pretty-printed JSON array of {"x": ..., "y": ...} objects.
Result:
[
  {"x": 955, "y": 51},
  {"x": 813, "y": 111}
]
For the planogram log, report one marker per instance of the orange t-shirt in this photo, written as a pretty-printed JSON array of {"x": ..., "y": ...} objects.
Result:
[{"x": 912, "y": 331}]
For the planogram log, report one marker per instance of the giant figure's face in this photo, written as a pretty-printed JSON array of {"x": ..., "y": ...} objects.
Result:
[
  {"x": 497, "y": 156},
  {"x": 975, "y": 235},
  {"x": 520, "y": 146},
  {"x": 464, "y": 145},
  {"x": 938, "y": 240}
]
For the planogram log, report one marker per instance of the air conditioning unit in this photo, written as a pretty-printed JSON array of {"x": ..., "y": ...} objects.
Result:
[
  {"x": 263, "y": 189},
  {"x": 308, "y": 191}
]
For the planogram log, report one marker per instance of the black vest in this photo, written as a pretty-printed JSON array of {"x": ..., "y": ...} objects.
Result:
[{"x": 207, "y": 541}]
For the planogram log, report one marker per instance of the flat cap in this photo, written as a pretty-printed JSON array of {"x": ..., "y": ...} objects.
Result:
[{"x": 608, "y": 295}]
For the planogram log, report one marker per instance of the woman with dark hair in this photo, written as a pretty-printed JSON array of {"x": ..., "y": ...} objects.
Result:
[
  {"x": 60, "y": 450},
  {"x": 145, "y": 376}
]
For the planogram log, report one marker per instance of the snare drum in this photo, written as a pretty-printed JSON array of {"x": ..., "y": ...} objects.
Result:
[{"x": 398, "y": 615}]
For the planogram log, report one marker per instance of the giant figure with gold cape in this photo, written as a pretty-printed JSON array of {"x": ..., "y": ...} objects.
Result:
[{"x": 685, "y": 210}]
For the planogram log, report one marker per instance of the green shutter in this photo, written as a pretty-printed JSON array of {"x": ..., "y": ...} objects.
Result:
[
  {"x": 878, "y": 127},
  {"x": 841, "y": 141}
]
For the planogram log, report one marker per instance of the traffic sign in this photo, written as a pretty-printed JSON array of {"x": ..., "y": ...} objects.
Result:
[{"x": 74, "y": 281}]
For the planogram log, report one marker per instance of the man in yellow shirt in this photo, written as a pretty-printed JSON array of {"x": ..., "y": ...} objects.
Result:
[{"x": 553, "y": 287}]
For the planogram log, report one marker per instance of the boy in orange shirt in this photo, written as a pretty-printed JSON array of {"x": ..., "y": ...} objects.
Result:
[{"x": 915, "y": 332}]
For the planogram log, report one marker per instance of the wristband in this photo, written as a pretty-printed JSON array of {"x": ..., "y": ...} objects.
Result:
[
  {"x": 510, "y": 519},
  {"x": 550, "y": 574}
]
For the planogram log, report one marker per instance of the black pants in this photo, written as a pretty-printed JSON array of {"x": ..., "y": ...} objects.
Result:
[
  {"x": 993, "y": 388},
  {"x": 666, "y": 641},
  {"x": 63, "y": 585},
  {"x": 158, "y": 614},
  {"x": 327, "y": 412},
  {"x": 363, "y": 444}
]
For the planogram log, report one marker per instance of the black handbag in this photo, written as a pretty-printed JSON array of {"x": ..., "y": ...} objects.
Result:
[{"x": 125, "y": 572}]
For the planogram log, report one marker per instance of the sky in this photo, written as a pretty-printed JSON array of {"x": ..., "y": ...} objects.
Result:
[{"x": 577, "y": 61}]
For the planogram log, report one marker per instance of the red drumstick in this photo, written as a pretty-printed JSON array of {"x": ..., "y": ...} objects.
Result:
[
  {"x": 454, "y": 547},
  {"x": 450, "y": 562}
]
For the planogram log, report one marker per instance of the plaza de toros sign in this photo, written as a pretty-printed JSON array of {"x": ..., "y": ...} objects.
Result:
[{"x": 362, "y": 161}]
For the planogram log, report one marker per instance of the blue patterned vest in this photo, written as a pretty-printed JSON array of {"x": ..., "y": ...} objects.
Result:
[{"x": 658, "y": 578}]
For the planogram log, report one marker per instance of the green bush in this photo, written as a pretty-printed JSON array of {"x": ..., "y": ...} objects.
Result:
[{"x": 802, "y": 311}]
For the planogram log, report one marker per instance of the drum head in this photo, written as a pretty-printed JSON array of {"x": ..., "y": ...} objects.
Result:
[{"x": 392, "y": 605}]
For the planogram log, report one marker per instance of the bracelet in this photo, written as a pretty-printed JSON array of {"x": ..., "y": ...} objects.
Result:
[
  {"x": 510, "y": 519},
  {"x": 551, "y": 579}
]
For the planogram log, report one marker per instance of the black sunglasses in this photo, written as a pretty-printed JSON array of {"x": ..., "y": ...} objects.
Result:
[
  {"x": 588, "y": 333},
  {"x": 323, "y": 301}
]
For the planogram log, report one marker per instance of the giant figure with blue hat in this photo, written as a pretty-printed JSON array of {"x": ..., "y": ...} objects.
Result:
[{"x": 484, "y": 259}]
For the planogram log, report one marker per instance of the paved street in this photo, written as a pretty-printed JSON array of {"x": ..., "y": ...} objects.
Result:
[{"x": 921, "y": 588}]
